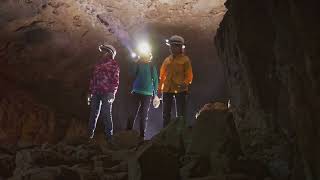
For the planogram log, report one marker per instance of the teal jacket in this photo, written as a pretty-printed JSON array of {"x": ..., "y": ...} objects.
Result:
[{"x": 146, "y": 79}]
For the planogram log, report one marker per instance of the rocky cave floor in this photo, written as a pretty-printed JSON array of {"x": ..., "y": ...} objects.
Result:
[{"x": 210, "y": 150}]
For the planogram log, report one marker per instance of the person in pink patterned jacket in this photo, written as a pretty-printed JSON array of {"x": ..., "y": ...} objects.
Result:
[{"x": 103, "y": 87}]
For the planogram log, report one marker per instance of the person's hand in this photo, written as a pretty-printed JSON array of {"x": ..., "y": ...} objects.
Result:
[
  {"x": 156, "y": 102},
  {"x": 183, "y": 86},
  {"x": 111, "y": 97},
  {"x": 89, "y": 97},
  {"x": 145, "y": 58}
]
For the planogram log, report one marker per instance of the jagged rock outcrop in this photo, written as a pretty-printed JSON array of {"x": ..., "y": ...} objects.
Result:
[{"x": 270, "y": 52}]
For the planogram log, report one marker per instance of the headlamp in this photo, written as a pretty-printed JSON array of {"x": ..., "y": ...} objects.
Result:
[
  {"x": 143, "y": 52},
  {"x": 168, "y": 44},
  {"x": 144, "y": 49}
]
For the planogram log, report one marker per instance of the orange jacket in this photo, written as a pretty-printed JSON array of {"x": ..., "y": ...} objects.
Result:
[{"x": 175, "y": 72}]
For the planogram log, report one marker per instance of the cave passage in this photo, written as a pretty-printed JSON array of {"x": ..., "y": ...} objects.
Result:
[{"x": 252, "y": 111}]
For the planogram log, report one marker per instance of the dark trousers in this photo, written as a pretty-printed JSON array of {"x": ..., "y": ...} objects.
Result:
[
  {"x": 180, "y": 104},
  {"x": 101, "y": 107},
  {"x": 141, "y": 108}
]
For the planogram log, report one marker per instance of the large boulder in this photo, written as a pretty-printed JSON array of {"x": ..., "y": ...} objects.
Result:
[
  {"x": 215, "y": 137},
  {"x": 154, "y": 161},
  {"x": 176, "y": 136},
  {"x": 194, "y": 166},
  {"x": 126, "y": 139}
]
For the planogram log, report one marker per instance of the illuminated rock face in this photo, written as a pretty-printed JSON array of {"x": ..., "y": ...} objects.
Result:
[{"x": 48, "y": 47}]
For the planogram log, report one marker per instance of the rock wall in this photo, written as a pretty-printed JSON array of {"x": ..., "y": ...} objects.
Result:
[
  {"x": 271, "y": 51},
  {"x": 26, "y": 121}
]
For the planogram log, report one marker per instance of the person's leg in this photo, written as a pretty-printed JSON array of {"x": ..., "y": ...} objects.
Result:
[
  {"x": 181, "y": 110},
  {"x": 106, "y": 114},
  {"x": 133, "y": 113},
  {"x": 143, "y": 113},
  {"x": 94, "y": 114},
  {"x": 181, "y": 104},
  {"x": 166, "y": 108}
]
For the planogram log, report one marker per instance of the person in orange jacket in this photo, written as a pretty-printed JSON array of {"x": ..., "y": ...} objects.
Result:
[{"x": 175, "y": 77}]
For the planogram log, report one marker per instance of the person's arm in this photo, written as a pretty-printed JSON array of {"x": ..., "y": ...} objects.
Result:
[
  {"x": 91, "y": 87},
  {"x": 163, "y": 73},
  {"x": 115, "y": 77},
  {"x": 188, "y": 72},
  {"x": 156, "y": 99},
  {"x": 155, "y": 80}
]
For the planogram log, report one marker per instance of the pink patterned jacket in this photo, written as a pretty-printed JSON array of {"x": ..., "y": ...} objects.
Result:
[{"x": 105, "y": 77}]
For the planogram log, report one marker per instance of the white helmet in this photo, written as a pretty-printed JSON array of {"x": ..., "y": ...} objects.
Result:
[
  {"x": 108, "y": 48},
  {"x": 175, "y": 39}
]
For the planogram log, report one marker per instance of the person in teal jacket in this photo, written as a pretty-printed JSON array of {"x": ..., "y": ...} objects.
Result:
[{"x": 145, "y": 87}]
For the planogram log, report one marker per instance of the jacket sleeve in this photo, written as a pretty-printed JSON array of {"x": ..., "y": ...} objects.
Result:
[
  {"x": 155, "y": 80},
  {"x": 115, "y": 79},
  {"x": 163, "y": 73},
  {"x": 188, "y": 72}
]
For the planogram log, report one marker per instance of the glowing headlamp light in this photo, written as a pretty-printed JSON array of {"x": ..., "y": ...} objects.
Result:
[
  {"x": 167, "y": 42},
  {"x": 143, "y": 52},
  {"x": 144, "y": 49}
]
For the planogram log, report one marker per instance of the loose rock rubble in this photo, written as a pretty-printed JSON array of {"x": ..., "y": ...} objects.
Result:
[{"x": 211, "y": 150}]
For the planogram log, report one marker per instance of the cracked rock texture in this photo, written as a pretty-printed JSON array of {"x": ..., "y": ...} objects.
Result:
[{"x": 270, "y": 51}]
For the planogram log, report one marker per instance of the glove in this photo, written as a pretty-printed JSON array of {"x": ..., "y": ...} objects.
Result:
[
  {"x": 156, "y": 102},
  {"x": 111, "y": 97},
  {"x": 89, "y": 97}
]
